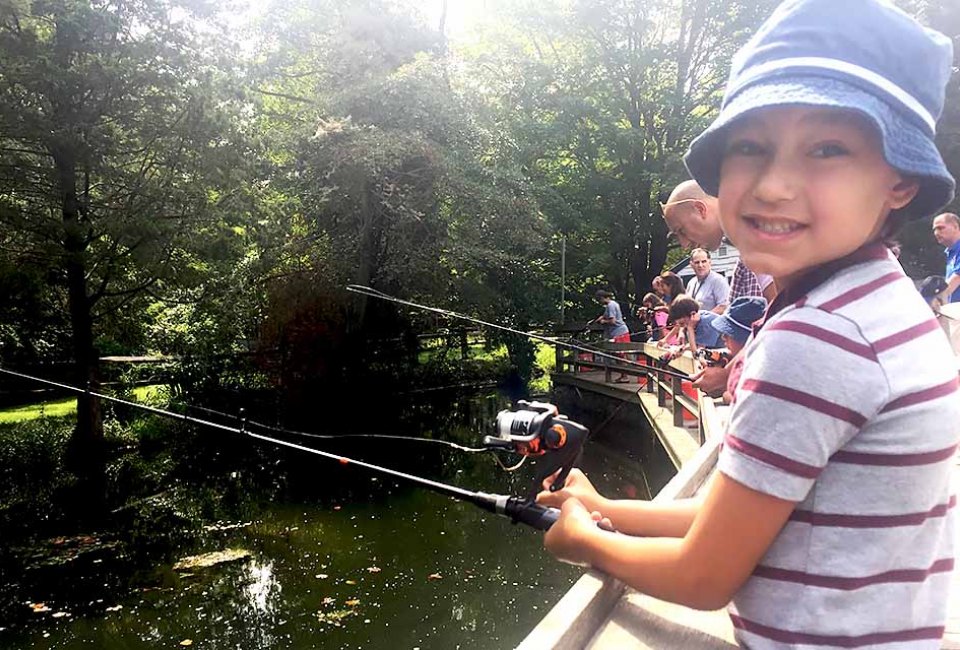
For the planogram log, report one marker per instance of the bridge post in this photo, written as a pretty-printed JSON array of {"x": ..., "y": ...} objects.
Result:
[{"x": 677, "y": 385}]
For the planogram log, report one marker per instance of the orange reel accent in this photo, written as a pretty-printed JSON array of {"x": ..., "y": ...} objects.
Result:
[{"x": 562, "y": 433}]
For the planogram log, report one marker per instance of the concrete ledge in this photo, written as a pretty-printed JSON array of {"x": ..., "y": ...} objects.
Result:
[
  {"x": 573, "y": 620},
  {"x": 640, "y": 621}
]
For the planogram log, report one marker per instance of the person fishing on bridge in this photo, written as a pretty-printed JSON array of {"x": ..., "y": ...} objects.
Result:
[
  {"x": 654, "y": 313},
  {"x": 614, "y": 329},
  {"x": 735, "y": 328},
  {"x": 830, "y": 521},
  {"x": 694, "y": 323}
]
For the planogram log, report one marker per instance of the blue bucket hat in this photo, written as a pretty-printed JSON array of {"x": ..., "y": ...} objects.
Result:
[
  {"x": 742, "y": 313},
  {"x": 860, "y": 55}
]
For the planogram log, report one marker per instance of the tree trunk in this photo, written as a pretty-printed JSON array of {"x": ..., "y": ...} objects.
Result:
[
  {"x": 367, "y": 258},
  {"x": 85, "y": 453}
]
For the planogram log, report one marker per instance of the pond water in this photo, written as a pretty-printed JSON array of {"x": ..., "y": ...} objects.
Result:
[{"x": 338, "y": 558}]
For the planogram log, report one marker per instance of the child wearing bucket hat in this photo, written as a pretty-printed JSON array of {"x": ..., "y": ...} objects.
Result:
[
  {"x": 736, "y": 324},
  {"x": 735, "y": 327},
  {"x": 830, "y": 520}
]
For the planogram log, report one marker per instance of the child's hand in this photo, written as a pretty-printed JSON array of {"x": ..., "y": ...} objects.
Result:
[
  {"x": 712, "y": 380},
  {"x": 566, "y": 539},
  {"x": 577, "y": 486}
]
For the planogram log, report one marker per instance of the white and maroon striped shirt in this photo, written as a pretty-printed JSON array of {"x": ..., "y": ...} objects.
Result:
[{"x": 848, "y": 405}]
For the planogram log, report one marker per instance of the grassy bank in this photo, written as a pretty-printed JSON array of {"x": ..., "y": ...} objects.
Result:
[{"x": 64, "y": 407}]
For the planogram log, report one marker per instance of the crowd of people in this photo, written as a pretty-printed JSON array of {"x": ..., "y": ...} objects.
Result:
[{"x": 682, "y": 317}]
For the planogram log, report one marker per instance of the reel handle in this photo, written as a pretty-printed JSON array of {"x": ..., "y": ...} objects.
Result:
[{"x": 491, "y": 442}]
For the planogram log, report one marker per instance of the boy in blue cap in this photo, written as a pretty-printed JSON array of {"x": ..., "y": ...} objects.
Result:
[
  {"x": 830, "y": 520},
  {"x": 735, "y": 328}
]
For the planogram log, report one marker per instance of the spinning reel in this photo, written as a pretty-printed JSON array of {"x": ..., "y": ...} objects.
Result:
[{"x": 536, "y": 429}]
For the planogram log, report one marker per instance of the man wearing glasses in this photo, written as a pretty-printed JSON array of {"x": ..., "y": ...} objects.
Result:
[{"x": 693, "y": 218}]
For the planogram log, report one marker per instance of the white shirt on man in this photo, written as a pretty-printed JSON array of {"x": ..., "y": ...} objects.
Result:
[{"x": 709, "y": 292}]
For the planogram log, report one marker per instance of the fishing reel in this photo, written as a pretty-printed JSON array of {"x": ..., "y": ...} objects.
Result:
[
  {"x": 714, "y": 358},
  {"x": 536, "y": 429}
]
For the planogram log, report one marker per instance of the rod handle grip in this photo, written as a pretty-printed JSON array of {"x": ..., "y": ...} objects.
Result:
[{"x": 542, "y": 517}]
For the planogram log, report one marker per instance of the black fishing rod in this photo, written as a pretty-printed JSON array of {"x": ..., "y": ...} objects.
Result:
[
  {"x": 373, "y": 293},
  {"x": 534, "y": 430}
]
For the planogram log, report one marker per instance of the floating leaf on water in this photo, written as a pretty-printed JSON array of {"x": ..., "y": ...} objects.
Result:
[
  {"x": 115, "y": 608},
  {"x": 328, "y": 601},
  {"x": 321, "y": 576},
  {"x": 39, "y": 608},
  {"x": 187, "y": 642},
  {"x": 61, "y": 614},
  {"x": 374, "y": 569},
  {"x": 353, "y": 602},
  {"x": 335, "y": 617},
  {"x": 221, "y": 526},
  {"x": 212, "y": 559},
  {"x": 351, "y": 582},
  {"x": 336, "y": 507},
  {"x": 434, "y": 576}
]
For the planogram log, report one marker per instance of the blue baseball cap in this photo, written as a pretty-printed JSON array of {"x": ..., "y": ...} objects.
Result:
[
  {"x": 742, "y": 313},
  {"x": 860, "y": 55}
]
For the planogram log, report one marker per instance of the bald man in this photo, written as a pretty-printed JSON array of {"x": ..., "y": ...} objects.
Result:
[{"x": 693, "y": 217}]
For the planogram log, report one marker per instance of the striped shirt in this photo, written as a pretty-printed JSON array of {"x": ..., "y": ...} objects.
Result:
[
  {"x": 747, "y": 283},
  {"x": 848, "y": 406}
]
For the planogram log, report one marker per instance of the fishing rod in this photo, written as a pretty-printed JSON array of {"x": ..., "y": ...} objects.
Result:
[
  {"x": 533, "y": 429},
  {"x": 373, "y": 293}
]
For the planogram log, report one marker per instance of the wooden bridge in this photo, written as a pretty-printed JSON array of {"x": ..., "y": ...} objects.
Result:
[{"x": 671, "y": 404}]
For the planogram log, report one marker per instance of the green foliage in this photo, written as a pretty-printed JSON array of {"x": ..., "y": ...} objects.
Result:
[
  {"x": 165, "y": 187},
  {"x": 546, "y": 363},
  {"x": 32, "y": 475},
  {"x": 600, "y": 99}
]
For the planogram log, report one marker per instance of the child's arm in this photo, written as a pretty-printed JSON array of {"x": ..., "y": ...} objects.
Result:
[
  {"x": 729, "y": 535},
  {"x": 674, "y": 331},
  {"x": 692, "y": 340},
  {"x": 629, "y": 516}
]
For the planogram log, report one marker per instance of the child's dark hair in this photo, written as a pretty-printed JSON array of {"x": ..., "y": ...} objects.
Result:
[
  {"x": 653, "y": 299},
  {"x": 603, "y": 294},
  {"x": 672, "y": 282},
  {"x": 682, "y": 307}
]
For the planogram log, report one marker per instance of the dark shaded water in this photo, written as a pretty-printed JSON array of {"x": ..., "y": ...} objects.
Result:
[{"x": 339, "y": 559}]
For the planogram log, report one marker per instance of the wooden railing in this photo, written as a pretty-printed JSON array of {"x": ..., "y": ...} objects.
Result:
[{"x": 670, "y": 390}]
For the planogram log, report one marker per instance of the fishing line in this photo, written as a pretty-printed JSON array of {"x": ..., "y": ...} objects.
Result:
[
  {"x": 552, "y": 340},
  {"x": 518, "y": 509},
  {"x": 322, "y": 436},
  {"x": 380, "y": 436}
]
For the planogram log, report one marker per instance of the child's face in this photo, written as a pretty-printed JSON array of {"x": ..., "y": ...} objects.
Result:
[
  {"x": 801, "y": 186},
  {"x": 731, "y": 343}
]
